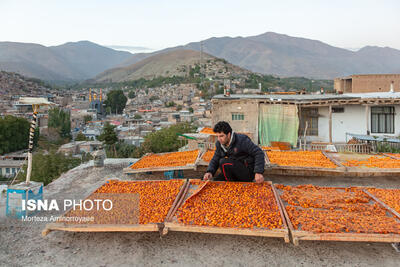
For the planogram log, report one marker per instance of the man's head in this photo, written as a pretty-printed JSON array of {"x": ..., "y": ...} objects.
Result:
[{"x": 223, "y": 131}]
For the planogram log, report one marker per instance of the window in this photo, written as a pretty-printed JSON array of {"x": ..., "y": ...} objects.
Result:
[
  {"x": 201, "y": 145},
  {"x": 337, "y": 110},
  {"x": 13, "y": 170},
  {"x": 237, "y": 116},
  {"x": 1, "y": 171},
  {"x": 382, "y": 120},
  {"x": 309, "y": 116},
  {"x": 7, "y": 170}
]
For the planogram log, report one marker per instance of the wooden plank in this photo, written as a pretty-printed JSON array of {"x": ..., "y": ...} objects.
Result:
[
  {"x": 177, "y": 198},
  {"x": 159, "y": 169},
  {"x": 267, "y": 161},
  {"x": 334, "y": 160},
  {"x": 350, "y": 237},
  {"x": 179, "y": 202},
  {"x": 390, "y": 156},
  {"x": 100, "y": 228},
  {"x": 382, "y": 203},
  {"x": 281, "y": 211},
  {"x": 225, "y": 230}
]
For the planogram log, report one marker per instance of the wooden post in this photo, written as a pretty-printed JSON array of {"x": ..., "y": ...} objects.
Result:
[
  {"x": 30, "y": 149},
  {"x": 330, "y": 124},
  {"x": 367, "y": 118}
]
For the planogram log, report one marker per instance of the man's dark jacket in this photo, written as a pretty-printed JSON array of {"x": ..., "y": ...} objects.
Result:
[{"x": 241, "y": 149}]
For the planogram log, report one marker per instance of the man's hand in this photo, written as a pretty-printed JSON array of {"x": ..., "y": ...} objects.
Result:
[
  {"x": 259, "y": 178},
  {"x": 207, "y": 176}
]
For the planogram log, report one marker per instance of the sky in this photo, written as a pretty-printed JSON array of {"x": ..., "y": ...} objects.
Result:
[{"x": 156, "y": 24}]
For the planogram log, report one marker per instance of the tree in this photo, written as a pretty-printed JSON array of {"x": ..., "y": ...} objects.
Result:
[
  {"x": 116, "y": 100},
  {"x": 46, "y": 168},
  {"x": 14, "y": 134},
  {"x": 154, "y": 97},
  {"x": 109, "y": 136},
  {"x": 80, "y": 137},
  {"x": 87, "y": 118},
  {"x": 60, "y": 120},
  {"x": 179, "y": 107},
  {"x": 170, "y": 104},
  {"x": 191, "y": 110},
  {"x": 166, "y": 140},
  {"x": 131, "y": 94},
  {"x": 137, "y": 116}
]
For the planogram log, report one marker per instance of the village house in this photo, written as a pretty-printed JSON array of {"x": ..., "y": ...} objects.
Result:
[{"x": 325, "y": 118}]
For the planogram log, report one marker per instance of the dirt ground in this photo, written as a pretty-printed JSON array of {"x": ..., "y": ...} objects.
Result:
[{"x": 21, "y": 243}]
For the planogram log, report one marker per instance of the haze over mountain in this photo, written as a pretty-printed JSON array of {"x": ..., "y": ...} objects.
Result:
[{"x": 268, "y": 53}]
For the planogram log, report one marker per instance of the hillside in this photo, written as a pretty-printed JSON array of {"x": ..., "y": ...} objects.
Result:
[
  {"x": 268, "y": 53},
  {"x": 283, "y": 55},
  {"x": 67, "y": 62},
  {"x": 16, "y": 84},
  {"x": 168, "y": 64}
]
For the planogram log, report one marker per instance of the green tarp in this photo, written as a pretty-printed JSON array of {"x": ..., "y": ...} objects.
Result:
[{"x": 278, "y": 123}]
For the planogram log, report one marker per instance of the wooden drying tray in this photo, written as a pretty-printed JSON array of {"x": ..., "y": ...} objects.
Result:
[
  {"x": 172, "y": 223},
  {"x": 339, "y": 166},
  {"x": 193, "y": 166},
  {"x": 390, "y": 156},
  {"x": 297, "y": 235},
  {"x": 150, "y": 227},
  {"x": 201, "y": 161}
]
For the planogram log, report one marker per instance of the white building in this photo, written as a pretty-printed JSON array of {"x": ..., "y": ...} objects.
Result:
[{"x": 328, "y": 116}]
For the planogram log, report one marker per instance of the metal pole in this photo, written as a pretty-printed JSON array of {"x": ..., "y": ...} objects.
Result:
[{"x": 30, "y": 149}]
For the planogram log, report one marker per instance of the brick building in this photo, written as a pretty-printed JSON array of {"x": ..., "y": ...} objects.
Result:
[{"x": 367, "y": 83}]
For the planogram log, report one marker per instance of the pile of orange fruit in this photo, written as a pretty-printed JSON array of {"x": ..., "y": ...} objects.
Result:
[
  {"x": 397, "y": 155},
  {"x": 229, "y": 204},
  {"x": 374, "y": 162},
  {"x": 156, "y": 197},
  {"x": 208, "y": 155},
  {"x": 300, "y": 159},
  {"x": 166, "y": 160},
  {"x": 335, "y": 210},
  {"x": 270, "y": 148},
  {"x": 207, "y": 130},
  {"x": 390, "y": 197}
]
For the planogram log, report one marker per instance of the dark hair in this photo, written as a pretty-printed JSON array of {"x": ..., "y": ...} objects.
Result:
[{"x": 222, "y": 127}]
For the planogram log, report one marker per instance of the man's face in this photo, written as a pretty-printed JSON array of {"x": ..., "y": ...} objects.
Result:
[{"x": 224, "y": 138}]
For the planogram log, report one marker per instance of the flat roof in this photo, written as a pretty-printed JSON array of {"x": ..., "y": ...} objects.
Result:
[
  {"x": 309, "y": 97},
  {"x": 11, "y": 163}
]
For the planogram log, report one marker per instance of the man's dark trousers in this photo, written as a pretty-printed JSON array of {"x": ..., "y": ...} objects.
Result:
[{"x": 233, "y": 170}]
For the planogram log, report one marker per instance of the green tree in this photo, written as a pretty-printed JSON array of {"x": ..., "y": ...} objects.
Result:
[
  {"x": 80, "y": 137},
  {"x": 46, "y": 168},
  {"x": 116, "y": 100},
  {"x": 166, "y": 140},
  {"x": 179, "y": 107},
  {"x": 131, "y": 94},
  {"x": 191, "y": 110},
  {"x": 60, "y": 120},
  {"x": 137, "y": 116},
  {"x": 109, "y": 137},
  {"x": 87, "y": 118},
  {"x": 154, "y": 97},
  {"x": 14, "y": 134}
]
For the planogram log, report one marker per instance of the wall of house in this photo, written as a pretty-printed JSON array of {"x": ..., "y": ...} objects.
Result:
[
  {"x": 222, "y": 110},
  {"x": 353, "y": 120}
]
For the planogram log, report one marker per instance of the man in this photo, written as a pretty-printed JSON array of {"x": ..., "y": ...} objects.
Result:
[{"x": 236, "y": 155}]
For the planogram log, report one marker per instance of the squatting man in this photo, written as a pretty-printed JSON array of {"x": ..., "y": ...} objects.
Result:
[{"x": 238, "y": 158}]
